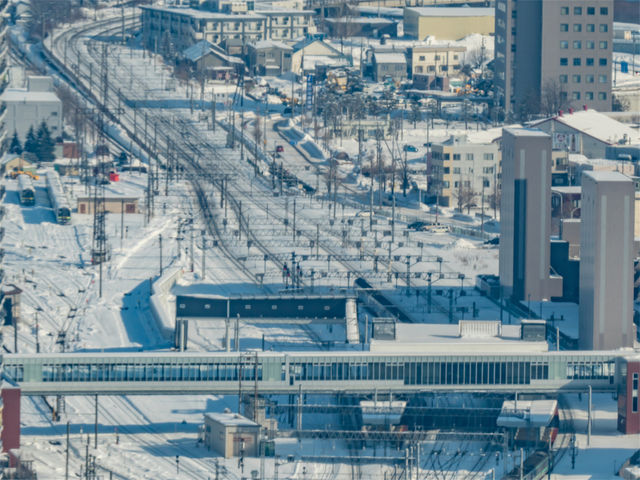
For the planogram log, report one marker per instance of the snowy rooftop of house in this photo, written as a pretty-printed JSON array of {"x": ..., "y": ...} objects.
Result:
[
  {"x": 453, "y": 11},
  {"x": 389, "y": 57},
  {"x": 596, "y": 125},
  {"x": 527, "y": 413},
  {"x": 230, "y": 419},
  {"x": 200, "y": 14},
  {"x": 578, "y": 159},
  {"x": 271, "y": 44},
  {"x": 363, "y": 20},
  {"x": 606, "y": 176},
  {"x": 471, "y": 335},
  {"x": 25, "y": 96},
  {"x": 197, "y": 50}
]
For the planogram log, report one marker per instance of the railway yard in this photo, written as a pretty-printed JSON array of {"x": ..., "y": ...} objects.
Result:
[{"x": 213, "y": 217}]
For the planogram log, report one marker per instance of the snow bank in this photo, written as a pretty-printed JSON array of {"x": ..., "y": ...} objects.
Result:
[
  {"x": 461, "y": 244},
  {"x": 162, "y": 303}
]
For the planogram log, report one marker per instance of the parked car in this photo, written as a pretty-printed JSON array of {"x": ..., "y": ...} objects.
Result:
[
  {"x": 493, "y": 241},
  {"x": 417, "y": 226},
  {"x": 438, "y": 228},
  {"x": 279, "y": 149},
  {"x": 410, "y": 148}
]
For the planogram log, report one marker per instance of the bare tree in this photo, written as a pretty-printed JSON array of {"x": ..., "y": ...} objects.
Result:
[
  {"x": 465, "y": 196},
  {"x": 553, "y": 97},
  {"x": 620, "y": 104},
  {"x": 48, "y": 14}
]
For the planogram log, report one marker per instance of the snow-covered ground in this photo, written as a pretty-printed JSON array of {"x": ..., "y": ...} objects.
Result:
[{"x": 139, "y": 437}]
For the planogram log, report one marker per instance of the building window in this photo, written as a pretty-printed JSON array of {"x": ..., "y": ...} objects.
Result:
[
  {"x": 577, "y": 62},
  {"x": 456, "y": 156},
  {"x": 564, "y": 10},
  {"x": 564, "y": 44},
  {"x": 575, "y": 96},
  {"x": 577, "y": 44},
  {"x": 604, "y": 44},
  {"x": 604, "y": 28},
  {"x": 577, "y": 10},
  {"x": 591, "y": 44},
  {"x": 591, "y": 10},
  {"x": 564, "y": 62},
  {"x": 576, "y": 79},
  {"x": 634, "y": 383},
  {"x": 488, "y": 156},
  {"x": 602, "y": 62},
  {"x": 589, "y": 78},
  {"x": 456, "y": 170},
  {"x": 591, "y": 27},
  {"x": 564, "y": 78},
  {"x": 577, "y": 27},
  {"x": 602, "y": 96},
  {"x": 446, "y": 156},
  {"x": 563, "y": 95},
  {"x": 421, "y": 58},
  {"x": 602, "y": 78},
  {"x": 564, "y": 27},
  {"x": 589, "y": 62},
  {"x": 604, "y": 11},
  {"x": 469, "y": 156},
  {"x": 588, "y": 95}
]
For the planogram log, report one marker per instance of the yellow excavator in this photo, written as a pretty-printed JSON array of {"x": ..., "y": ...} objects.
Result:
[{"x": 14, "y": 174}]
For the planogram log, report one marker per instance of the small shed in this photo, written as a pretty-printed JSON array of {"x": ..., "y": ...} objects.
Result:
[
  {"x": 115, "y": 204},
  {"x": 207, "y": 57},
  {"x": 11, "y": 162},
  {"x": 389, "y": 65},
  {"x": 231, "y": 435}
]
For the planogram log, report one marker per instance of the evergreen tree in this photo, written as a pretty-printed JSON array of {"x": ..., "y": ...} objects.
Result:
[
  {"x": 45, "y": 144},
  {"x": 31, "y": 143},
  {"x": 16, "y": 146}
]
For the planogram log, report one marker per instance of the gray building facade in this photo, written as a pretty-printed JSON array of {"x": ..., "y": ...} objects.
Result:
[
  {"x": 606, "y": 261},
  {"x": 567, "y": 43},
  {"x": 525, "y": 213}
]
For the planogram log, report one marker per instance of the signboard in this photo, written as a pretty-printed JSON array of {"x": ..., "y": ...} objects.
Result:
[{"x": 566, "y": 141}]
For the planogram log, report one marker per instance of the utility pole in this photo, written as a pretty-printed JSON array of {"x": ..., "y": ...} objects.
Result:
[
  {"x": 204, "y": 246},
  {"x": 160, "y": 243},
  {"x": 95, "y": 427},
  {"x": 66, "y": 467}
]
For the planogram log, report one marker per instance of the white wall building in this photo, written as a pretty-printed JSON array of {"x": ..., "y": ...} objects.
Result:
[{"x": 26, "y": 107}]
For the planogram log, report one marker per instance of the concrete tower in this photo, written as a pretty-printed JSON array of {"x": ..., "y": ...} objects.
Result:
[
  {"x": 606, "y": 261},
  {"x": 525, "y": 214}
]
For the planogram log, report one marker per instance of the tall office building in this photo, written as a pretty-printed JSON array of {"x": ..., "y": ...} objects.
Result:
[
  {"x": 525, "y": 214},
  {"x": 606, "y": 261},
  {"x": 567, "y": 43}
]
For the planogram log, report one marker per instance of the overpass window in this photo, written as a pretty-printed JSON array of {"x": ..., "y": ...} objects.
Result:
[{"x": 207, "y": 306}]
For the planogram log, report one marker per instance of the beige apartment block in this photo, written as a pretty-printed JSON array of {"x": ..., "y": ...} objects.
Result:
[
  {"x": 564, "y": 43},
  {"x": 439, "y": 60}
]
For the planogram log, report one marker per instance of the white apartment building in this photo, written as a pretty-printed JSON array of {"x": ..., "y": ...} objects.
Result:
[{"x": 175, "y": 29}]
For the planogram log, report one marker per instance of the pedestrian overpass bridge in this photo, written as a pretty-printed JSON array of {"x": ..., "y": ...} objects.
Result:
[{"x": 154, "y": 373}]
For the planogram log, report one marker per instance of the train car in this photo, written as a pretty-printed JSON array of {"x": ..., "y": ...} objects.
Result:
[
  {"x": 26, "y": 190},
  {"x": 57, "y": 197}
]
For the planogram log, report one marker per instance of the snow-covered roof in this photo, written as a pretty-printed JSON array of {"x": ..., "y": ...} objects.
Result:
[
  {"x": 526, "y": 132},
  {"x": 596, "y": 125},
  {"x": 271, "y": 44},
  {"x": 198, "y": 50},
  {"x": 607, "y": 176},
  {"x": 443, "y": 337},
  {"x": 527, "y": 413},
  {"x": 453, "y": 11},
  {"x": 230, "y": 419},
  {"x": 388, "y": 57},
  {"x": 23, "y": 95}
]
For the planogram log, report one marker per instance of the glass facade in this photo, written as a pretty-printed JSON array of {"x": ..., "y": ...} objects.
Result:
[{"x": 287, "y": 369}]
